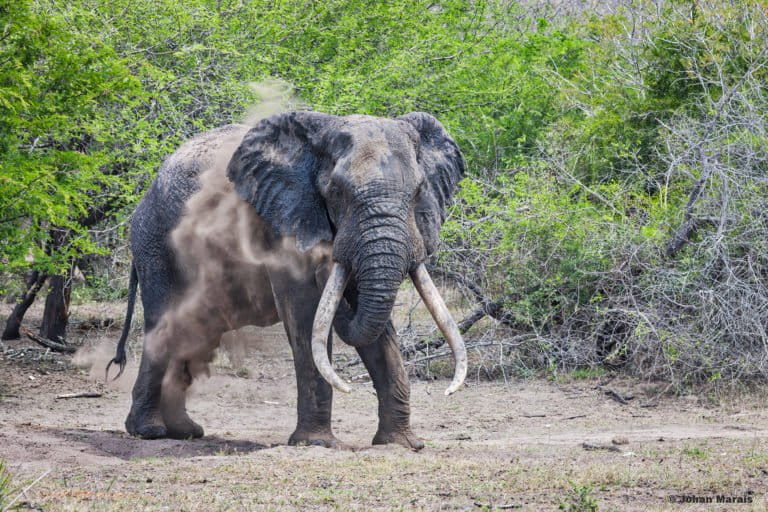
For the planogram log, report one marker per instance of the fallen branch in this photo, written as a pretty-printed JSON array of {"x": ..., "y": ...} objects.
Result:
[
  {"x": 464, "y": 325},
  {"x": 53, "y": 345},
  {"x": 595, "y": 447},
  {"x": 491, "y": 506},
  {"x": 448, "y": 353},
  {"x": 623, "y": 400},
  {"x": 84, "y": 394},
  {"x": 494, "y": 309}
]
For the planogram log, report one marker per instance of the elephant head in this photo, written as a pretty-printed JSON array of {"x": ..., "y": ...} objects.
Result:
[{"x": 378, "y": 190}]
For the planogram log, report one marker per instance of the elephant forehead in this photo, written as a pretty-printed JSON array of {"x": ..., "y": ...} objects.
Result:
[
  {"x": 361, "y": 128},
  {"x": 375, "y": 149},
  {"x": 377, "y": 162}
]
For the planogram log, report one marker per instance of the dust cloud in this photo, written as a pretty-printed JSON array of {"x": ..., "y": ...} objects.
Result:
[
  {"x": 95, "y": 357},
  {"x": 275, "y": 96},
  {"x": 224, "y": 255}
]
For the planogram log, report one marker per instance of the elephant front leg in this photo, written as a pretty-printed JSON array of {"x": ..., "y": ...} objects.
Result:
[
  {"x": 296, "y": 302},
  {"x": 315, "y": 397},
  {"x": 385, "y": 365}
]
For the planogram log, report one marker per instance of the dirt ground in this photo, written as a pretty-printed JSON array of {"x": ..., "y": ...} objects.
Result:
[{"x": 519, "y": 445}]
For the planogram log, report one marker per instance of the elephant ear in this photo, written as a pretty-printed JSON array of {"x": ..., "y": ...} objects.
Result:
[
  {"x": 275, "y": 170},
  {"x": 441, "y": 161}
]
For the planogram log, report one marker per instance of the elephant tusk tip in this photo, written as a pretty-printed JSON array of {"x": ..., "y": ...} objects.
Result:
[
  {"x": 455, "y": 386},
  {"x": 342, "y": 386}
]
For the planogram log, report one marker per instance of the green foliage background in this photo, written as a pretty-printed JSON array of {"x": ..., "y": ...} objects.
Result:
[{"x": 578, "y": 130}]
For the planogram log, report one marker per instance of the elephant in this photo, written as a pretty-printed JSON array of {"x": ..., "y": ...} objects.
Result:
[{"x": 340, "y": 209}]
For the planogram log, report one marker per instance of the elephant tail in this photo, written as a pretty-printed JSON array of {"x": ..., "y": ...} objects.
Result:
[{"x": 120, "y": 359}]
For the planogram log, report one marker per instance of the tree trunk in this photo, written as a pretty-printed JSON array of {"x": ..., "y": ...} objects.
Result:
[
  {"x": 56, "y": 312},
  {"x": 34, "y": 282}
]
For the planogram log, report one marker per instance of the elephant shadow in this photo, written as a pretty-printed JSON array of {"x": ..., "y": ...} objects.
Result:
[{"x": 114, "y": 443}]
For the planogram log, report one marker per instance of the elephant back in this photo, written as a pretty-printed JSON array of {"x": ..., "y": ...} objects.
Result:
[{"x": 178, "y": 179}]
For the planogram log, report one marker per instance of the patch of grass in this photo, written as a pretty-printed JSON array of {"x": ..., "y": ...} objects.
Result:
[
  {"x": 588, "y": 373},
  {"x": 543, "y": 476},
  {"x": 5, "y": 486},
  {"x": 757, "y": 458},
  {"x": 696, "y": 452},
  {"x": 580, "y": 500}
]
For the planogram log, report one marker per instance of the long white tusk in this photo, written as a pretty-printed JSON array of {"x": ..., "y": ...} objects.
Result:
[
  {"x": 445, "y": 323},
  {"x": 326, "y": 310}
]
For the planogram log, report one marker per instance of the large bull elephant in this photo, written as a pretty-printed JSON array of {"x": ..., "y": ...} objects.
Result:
[{"x": 348, "y": 207}]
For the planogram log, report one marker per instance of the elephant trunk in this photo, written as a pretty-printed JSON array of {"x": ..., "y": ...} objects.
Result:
[
  {"x": 377, "y": 283},
  {"x": 379, "y": 271},
  {"x": 379, "y": 267},
  {"x": 329, "y": 303}
]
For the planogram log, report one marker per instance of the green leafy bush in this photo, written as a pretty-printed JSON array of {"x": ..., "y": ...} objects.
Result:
[{"x": 635, "y": 235}]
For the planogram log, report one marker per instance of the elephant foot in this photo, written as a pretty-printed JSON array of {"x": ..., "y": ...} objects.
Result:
[
  {"x": 404, "y": 438},
  {"x": 183, "y": 428},
  {"x": 146, "y": 426},
  {"x": 305, "y": 438}
]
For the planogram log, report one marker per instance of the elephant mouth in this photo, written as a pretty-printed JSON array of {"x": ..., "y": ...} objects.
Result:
[{"x": 329, "y": 303}]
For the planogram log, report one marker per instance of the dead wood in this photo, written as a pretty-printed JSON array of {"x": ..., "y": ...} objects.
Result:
[
  {"x": 595, "y": 447},
  {"x": 84, "y": 394},
  {"x": 53, "y": 345},
  {"x": 623, "y": 400}
]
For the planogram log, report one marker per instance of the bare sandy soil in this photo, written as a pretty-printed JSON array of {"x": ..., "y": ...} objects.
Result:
[{"x": 520, "y": 445}]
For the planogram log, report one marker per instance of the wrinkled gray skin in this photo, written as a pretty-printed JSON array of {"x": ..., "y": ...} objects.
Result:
[{"x": 374, "y": 188}]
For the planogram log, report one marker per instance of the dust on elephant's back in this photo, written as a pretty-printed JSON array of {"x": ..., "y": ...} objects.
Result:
[
  {"x": 223, "y": 250},
  {"x": 218, "y": 229}
]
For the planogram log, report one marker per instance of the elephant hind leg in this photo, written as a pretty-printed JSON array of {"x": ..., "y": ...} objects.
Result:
[
  {"x": 173, "y": 402},
  {"x": 197, "y": 342},
  {"x": 175, "y": 351},
  {"x": 145, "y": 419},
  {"x": 156, "y": 280}
]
